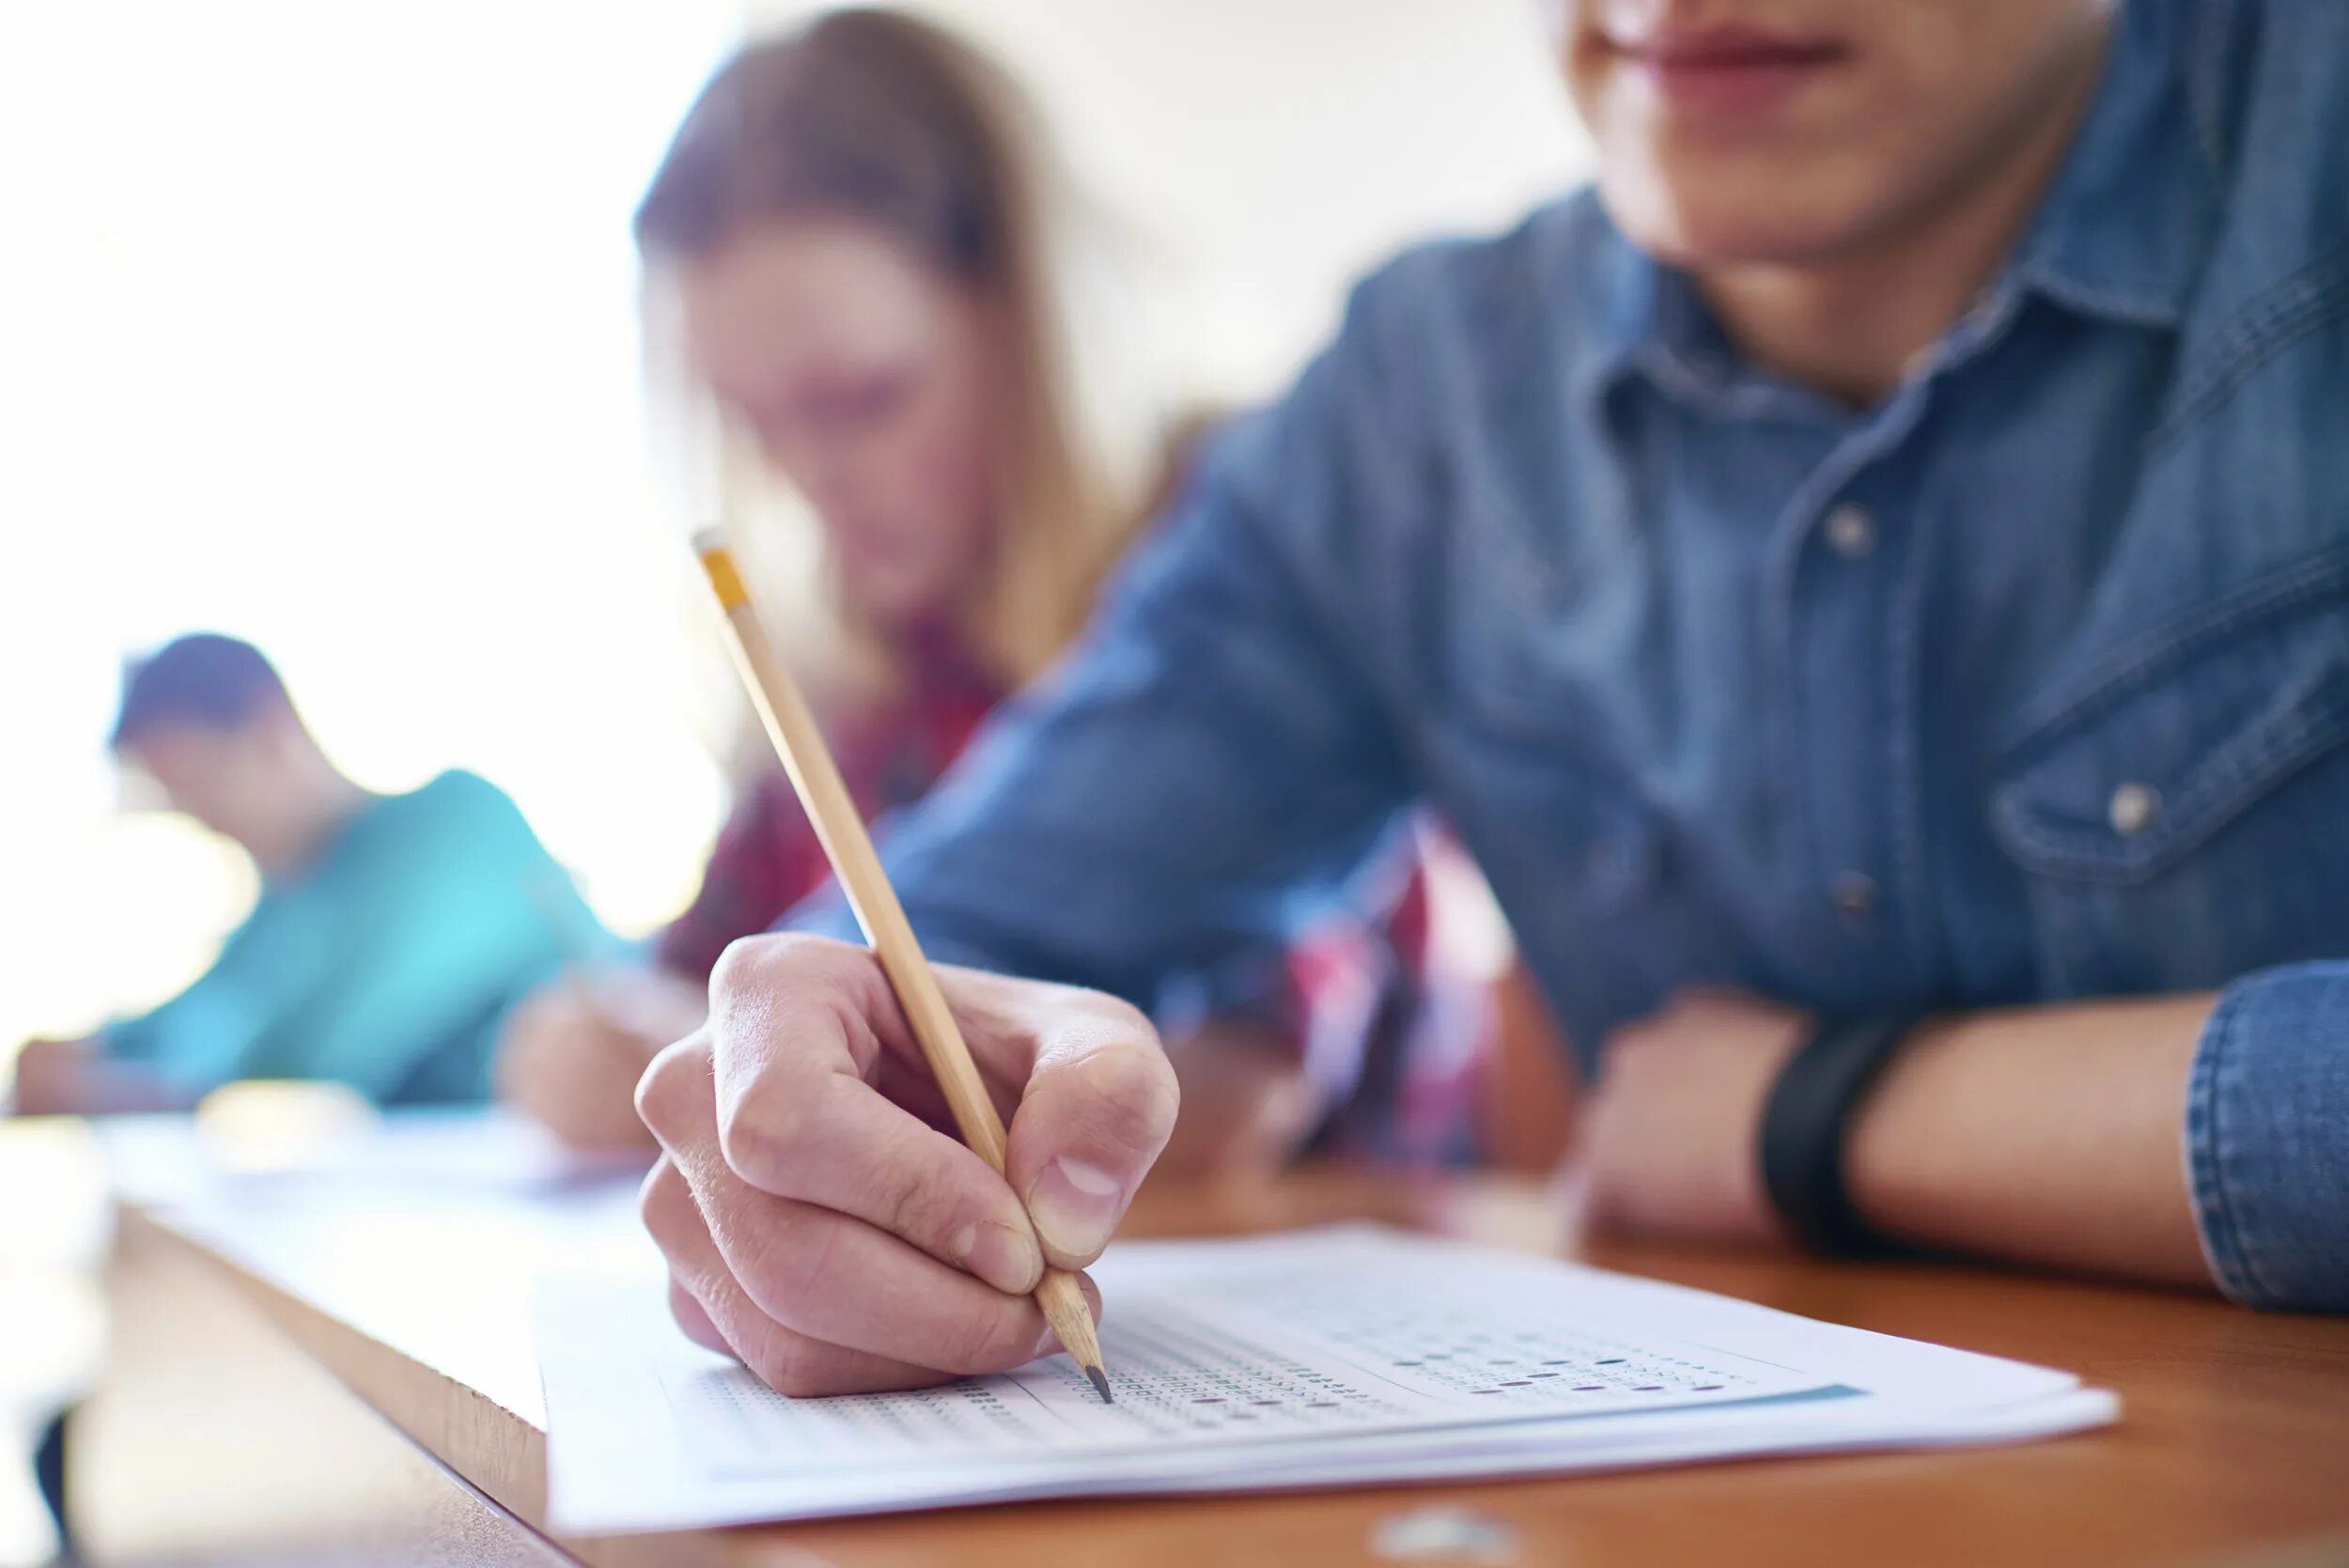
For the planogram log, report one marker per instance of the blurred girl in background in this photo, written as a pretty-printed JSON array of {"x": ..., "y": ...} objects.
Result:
[{"x": 863, "y": 242}]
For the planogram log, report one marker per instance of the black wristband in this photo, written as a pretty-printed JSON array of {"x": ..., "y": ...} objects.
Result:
[{"x": 1802, "y": 1130}]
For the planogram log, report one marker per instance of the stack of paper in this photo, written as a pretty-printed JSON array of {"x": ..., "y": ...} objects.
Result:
[{"x": 1331, "y": 1358}]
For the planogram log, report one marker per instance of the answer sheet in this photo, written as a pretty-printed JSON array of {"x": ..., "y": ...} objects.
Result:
[{"x": 1339, "y": 1356}]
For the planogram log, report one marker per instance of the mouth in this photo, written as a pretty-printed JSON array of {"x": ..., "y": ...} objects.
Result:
[
  {"x": 1733, "y": 69},
  {"x": 864, "y": 547}
]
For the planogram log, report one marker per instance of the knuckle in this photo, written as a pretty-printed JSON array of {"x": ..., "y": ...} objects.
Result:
[
  {"x": 756, "y": 963},
  {"x": 759, "y": 1130},
  {"x": 1101, "y": 1017},
  {"x": 693, "y": 1320},
  {"x": 669, "y": 1083},
  {"x": 664, "y": 1206},
  {"x": 739, "y": 963},
  {"x": 681, "y": 1305}
]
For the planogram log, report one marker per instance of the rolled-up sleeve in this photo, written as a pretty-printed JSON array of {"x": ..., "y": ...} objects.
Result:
[{"x": 2267, "y": 1138}]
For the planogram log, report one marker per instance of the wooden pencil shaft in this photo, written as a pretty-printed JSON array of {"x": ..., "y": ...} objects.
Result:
[{"x": 840, "y": 828}]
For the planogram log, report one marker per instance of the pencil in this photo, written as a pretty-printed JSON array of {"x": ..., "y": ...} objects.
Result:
[{"x": 840, "y": 828}]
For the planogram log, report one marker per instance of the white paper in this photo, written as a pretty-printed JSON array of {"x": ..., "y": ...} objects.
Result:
[{"x": 1327, "y": 1358}]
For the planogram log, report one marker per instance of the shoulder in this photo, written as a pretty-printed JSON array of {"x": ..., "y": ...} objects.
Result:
[
  {"x": 2296, "y": 56},
  {"x": 460, "y": 790},
  {"x": 1425, "y": 337},
  {"x": 1450, "y": 351},
  {"x": 1472, "y": 292},
  {"x": 2268, "y": 93},
  {"x": 456, "y": 802}
]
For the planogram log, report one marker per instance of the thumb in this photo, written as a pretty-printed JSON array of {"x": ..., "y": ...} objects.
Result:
[{"x": 1099, "y": 1106}]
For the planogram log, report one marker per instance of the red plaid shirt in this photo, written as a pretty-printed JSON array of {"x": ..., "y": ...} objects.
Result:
[{"x": 1394, "y": 1043}]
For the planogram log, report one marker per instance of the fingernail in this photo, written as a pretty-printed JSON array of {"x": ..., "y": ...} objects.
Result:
[
  {"x": 1074, "y": 1205},
  {"x": 999, "y": 1255}
]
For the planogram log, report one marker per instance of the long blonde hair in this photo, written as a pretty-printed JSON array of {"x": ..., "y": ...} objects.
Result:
[{"x": 884, "y": 118}]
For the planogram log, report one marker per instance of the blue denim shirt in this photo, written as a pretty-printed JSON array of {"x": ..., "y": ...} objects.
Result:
[{"x": 2030, "y": 682}]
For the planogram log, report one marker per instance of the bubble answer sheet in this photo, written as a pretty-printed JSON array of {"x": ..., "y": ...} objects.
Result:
[{"x": 1354, "y": 1356}]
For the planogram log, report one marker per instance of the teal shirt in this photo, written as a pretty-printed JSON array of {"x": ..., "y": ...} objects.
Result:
[{"x": 386, "y": 963}]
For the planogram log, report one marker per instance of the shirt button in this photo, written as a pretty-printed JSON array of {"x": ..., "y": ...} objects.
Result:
[
  {"x": 2133, "y": 808},
  {"x": 1855, "y": 895},
  {"x": 1851, "y": 533}
]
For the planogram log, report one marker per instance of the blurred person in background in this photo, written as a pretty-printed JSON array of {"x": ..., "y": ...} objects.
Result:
[
  {"x": 1870, "y": 585},
  {"x": 390, "y": 933},
  {"x": 868, "y": 242}
]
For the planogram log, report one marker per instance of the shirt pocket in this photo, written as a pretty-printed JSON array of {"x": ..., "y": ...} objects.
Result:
[{"x": 2179, "y": 812}]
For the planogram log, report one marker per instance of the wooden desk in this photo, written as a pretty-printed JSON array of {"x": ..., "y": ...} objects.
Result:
[
  {"x": 213, "y": 1442},
  {"x": 2233, "y": 1447}
]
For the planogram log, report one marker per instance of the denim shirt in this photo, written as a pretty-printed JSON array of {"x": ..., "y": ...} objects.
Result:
[{"x": 2030, "y": 682}]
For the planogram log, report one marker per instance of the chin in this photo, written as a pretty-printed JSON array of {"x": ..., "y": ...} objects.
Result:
[
  {"x": 1696, "y": 224},
  {"x": 893, "y": 608}
]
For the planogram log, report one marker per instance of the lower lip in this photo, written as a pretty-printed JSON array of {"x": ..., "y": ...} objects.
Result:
[{"x": 1730, "y": 85}]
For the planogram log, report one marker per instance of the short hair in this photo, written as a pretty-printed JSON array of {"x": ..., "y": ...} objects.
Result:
[{"x": 204, "y": 678}]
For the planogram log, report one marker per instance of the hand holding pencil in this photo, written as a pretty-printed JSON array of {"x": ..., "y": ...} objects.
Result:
[{"x": 818, "y": 1220}]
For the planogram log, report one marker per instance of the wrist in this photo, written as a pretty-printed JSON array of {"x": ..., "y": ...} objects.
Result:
[
  {"x": 2047, "y": 1134},
  {"x": 1892, "y": 1158},
  {"x": 1807, "y": 1125}
]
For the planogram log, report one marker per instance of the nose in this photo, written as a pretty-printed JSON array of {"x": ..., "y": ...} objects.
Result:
[
  {"x": 824, "y": 469},
  {"x": 844, "y": 473}
]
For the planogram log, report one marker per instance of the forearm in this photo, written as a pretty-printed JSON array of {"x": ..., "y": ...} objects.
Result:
[{"x": 2047, "y": 1134}]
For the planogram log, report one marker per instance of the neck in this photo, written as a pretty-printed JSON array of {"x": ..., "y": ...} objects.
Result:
[
  {"x": 320, "y": 800},
  {"x": 1849, "y": 324}
]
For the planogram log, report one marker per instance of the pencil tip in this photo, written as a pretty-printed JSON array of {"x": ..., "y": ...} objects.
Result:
[{"x": 1100, "y": 1384}]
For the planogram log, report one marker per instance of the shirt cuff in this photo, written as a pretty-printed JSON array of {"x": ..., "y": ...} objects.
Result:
[{"x": 2267, "y": 1138}]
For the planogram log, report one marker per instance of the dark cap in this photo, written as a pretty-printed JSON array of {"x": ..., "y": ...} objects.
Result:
[{"x": 203, "y": 679}]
